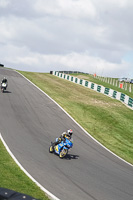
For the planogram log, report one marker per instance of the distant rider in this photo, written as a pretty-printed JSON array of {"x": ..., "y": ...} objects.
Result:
[
  {"x": 4, "y": 80},
  {"x": 64, "y": 135}
]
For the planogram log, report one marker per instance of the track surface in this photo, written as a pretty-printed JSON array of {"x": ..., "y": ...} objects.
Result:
[{"x": 29, "y": 121}]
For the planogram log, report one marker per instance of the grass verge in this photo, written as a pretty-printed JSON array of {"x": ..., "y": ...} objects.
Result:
[{"x": 13, "y": 178}]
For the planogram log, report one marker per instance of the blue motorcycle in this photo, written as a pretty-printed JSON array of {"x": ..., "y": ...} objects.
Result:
[{"x": 62, "y": 148}]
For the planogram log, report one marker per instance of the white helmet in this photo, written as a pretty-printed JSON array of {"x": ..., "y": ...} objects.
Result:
[{"x": 69, "y": 132}]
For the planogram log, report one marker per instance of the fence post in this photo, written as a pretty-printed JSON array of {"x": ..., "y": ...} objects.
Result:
[
  {"x": 130, "y": 88},
  {"x": 116, "y": 84},
  {"x": 113, "y": 81},
  {"x": 125, "y": 86}
]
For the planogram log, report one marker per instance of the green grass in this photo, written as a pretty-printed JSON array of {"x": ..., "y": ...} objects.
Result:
[{"x": 13, "y": 178}]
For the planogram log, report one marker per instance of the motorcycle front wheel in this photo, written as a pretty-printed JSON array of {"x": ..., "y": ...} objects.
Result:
[
  {"x": 63, "y": 153},
  {"x": 51, "y": 149}
]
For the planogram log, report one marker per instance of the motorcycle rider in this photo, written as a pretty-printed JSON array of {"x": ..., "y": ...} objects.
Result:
[
  {"x": 4, "y": 80},
  {"x": 64, "y": 135}
]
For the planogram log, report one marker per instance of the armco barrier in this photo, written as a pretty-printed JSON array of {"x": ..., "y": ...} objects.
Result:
[{"x": 99, "y": 88}]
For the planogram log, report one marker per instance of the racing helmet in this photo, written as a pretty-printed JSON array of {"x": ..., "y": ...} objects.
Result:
[{"x": 69, "y": 132}]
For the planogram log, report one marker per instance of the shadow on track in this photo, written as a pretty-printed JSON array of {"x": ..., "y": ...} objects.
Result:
[
  {"x": 71, "y": 156},
  {"x": 6, "y": 92},
  {"x": 68, "y": 156}
]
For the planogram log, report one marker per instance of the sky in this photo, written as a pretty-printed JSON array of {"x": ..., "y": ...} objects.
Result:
[{"x": 91, "y": 36}]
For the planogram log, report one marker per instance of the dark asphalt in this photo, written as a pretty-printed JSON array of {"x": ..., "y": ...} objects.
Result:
[{"x": 29, "y": 121}]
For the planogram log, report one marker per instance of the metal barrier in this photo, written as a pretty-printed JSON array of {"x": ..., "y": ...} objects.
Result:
[{"x": 99, "y": 88}]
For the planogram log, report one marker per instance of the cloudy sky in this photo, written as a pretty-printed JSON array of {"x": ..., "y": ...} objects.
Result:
[{"x": 81, "y": 35}]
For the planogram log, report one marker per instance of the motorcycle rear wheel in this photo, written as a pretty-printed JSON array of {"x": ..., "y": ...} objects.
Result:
[{"x": 63, "y": 153}]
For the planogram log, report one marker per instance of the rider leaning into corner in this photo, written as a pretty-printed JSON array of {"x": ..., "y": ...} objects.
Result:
[
  {"x": 4, "y": 80},
  {"x": 64, "y": 135}
]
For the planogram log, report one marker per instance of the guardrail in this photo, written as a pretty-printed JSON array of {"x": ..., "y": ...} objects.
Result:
[{"x": 98, "y": 88}]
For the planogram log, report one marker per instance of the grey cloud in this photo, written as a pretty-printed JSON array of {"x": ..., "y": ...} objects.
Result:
[
  {"x": 18, "y": 8},
  {"x": 105, "y": 33}
]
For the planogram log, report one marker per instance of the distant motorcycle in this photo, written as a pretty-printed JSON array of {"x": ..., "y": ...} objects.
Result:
[
  {"x": 3, "y": 87},
  {"x": 62, "y": 148}
]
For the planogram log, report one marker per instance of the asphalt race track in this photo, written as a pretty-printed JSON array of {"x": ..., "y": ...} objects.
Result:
[{"x": 29, "y": 121}]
